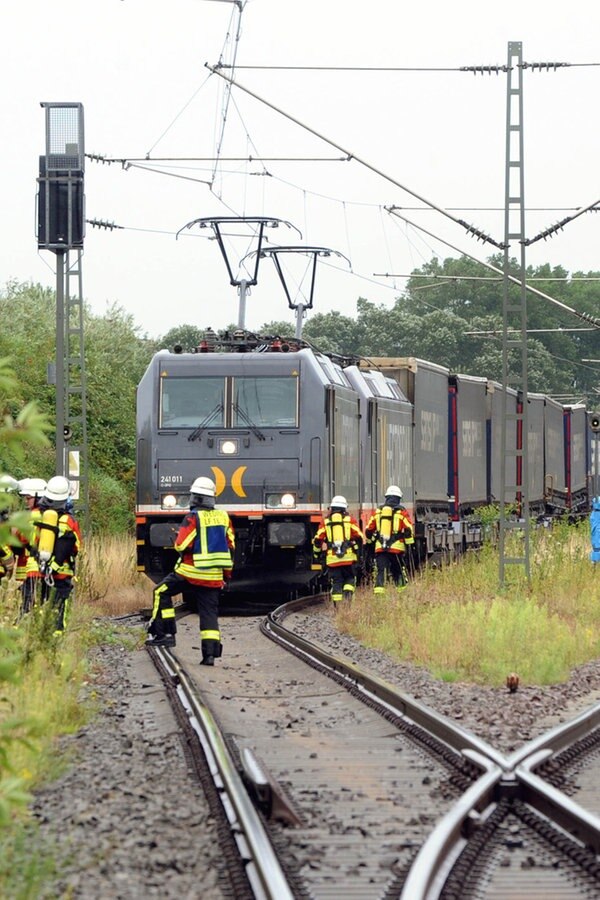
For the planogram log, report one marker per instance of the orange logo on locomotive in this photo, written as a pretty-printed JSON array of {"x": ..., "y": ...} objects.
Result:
[{"x": 236, "y": 480}]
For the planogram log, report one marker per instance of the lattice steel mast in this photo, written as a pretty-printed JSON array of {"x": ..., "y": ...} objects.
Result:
[
  {"x": 61, "y": 228},
  {"x": 515, "y": 481}
]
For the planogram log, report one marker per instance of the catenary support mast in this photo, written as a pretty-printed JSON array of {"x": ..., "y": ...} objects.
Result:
[
  {"x": 514, "y": 480},
  {"x": 60, "y": 229}
]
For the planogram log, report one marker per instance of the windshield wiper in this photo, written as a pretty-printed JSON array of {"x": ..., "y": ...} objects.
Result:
[
  {"x": 245, "y": 418},
  {"x": 200, "y": 428}
]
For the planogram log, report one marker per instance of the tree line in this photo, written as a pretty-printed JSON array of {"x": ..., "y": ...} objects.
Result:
[{"x": 433, "y": 318}]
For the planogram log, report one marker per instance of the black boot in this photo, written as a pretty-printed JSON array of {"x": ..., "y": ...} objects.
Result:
[
  {"x": 164, "y": 640},
  {"x": 211, "y": 650}
]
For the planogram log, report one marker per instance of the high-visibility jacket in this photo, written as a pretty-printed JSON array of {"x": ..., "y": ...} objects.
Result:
[
  {"x": 595, "y": 530},
  {"x": 206, "y": 542},
  {"x": 66, "y": 546},
  {"x": 7, "y": 560},
  {"x": 27, "y": 563},
  {"x": 390, "y": 529},
  {"x": 342, "y": 538}
]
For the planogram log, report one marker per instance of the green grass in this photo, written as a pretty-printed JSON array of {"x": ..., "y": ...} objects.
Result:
[
  {"x": 457, "y": 622},
  {"x": 27, "y": 863},
  {"x": 41, "y": 699}
]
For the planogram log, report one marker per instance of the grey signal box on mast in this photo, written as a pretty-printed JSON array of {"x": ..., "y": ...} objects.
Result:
[
  {"x": 61, "y": 220},
  {"x": 61, "y": 229}
]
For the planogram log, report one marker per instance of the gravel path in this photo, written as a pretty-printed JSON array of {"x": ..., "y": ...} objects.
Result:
[
  {"x": 113, "y": 813},
  {"x": 132, "y": 823}
]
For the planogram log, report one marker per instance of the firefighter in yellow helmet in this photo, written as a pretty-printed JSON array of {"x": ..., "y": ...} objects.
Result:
[
  {"x": 205, "y": 542},
  {"x": 390, "y": 530},
  {"x": 340, "y": 538}
]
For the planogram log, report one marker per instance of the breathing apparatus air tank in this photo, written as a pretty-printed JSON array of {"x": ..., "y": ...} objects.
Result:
[
  {"x": 48, "y": 530},
  {"x": 385, "y": 525},
  {"x": 338, "y": 533}
]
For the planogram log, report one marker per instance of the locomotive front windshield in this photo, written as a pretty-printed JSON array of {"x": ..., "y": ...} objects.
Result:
[
  {"x": 229, "y": 402},
  {"x": 265, "y": 402},
  {"x": 189, "y": 402}
]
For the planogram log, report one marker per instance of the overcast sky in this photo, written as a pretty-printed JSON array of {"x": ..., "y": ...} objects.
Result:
[{"x": 138, "y": 68}]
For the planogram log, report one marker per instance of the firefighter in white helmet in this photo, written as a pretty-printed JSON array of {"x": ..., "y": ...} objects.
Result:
[
  {"x": 58, "y": 545},
  {"x": 340, "y": 538},
  {"x": 391, "y": 531},
  {"x": 28, "y": 573},
  {"x": 8, "y": 487},
  {"x": 205, "y": 542}
]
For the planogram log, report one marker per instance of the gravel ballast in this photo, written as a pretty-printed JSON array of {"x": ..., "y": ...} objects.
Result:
[{"x": 128, "y": 817}]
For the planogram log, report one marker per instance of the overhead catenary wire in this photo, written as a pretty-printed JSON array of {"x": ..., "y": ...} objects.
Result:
[
  {"x": 124, "y": 160},
  {"x": 469, "y": 228},
  {"x": 180, "y": 113},
  {"x": 141, "y": 161},
  {"x": 347, "y": 157},
  {"x": 593, "y": 320},
  {"x": 371, "y": 279},
  {"x": 348, "y": 68},
  {"x": 171, "y": 174},
  {"x": 528, "y": 330},
  {"x": 548, "y": 232},
  {"x": 240, "y": 10},
  {"x": 480, "y": 277},
  {"x": 485, "y": 69}
]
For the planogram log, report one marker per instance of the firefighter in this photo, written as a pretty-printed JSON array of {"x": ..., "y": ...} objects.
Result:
[
  {"x": 58, "y": 544},
  {"x": 205, "y": 542},
  {"x": 595, "y": 530},
  {"x": 8, "y": 485},
  {"x": 340, "y": 538},
  {"x": 28, "y": 572},
  {"x": 7, "y": 561},
  {"x": 391, "y": 531}
]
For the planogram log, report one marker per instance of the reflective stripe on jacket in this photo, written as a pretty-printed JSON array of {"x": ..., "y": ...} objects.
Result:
[
  {"x": 205, "y": 542},
  {"x": 27, "y": 564},
  {"x": 400, "y": 528},
  {"x": 66, "y": 547},
  {"x": 342, "y": 536}
]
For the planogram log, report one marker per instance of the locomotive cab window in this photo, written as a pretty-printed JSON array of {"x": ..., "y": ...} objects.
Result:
[
  {"x": 265, "y": 402},
  {"x": 189, "y": 402}
]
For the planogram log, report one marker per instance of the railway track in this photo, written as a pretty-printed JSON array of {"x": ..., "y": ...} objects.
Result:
[{"x": 364, "y": 792}]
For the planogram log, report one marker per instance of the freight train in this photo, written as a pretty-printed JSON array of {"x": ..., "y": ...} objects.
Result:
[{"x": 282, "y": 428}]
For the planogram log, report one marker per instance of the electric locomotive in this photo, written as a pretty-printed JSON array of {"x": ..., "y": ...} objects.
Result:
[{"x": 275, "y": 425}]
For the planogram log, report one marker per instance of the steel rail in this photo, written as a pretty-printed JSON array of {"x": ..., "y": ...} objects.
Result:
[
  {"x": 503, "y": 776},
  {"x": 582, "y": 825},
  {"x": 559, "y": 737},
  {"x": 436, "y": 857},
  {"x": 265, "y": 875},
  {"x": 402, "y": 705}
]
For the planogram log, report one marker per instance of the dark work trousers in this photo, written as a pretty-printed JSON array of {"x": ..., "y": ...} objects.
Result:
[
  {"x": 207, "y": 606},
  {"x": 163, "y": 612},
  {"x": 392, "y": 563},
  {"x": 342, "y": 579},
  {"x": 60, "y": 598},
  {"x": 34, "y": 590},
  {"x": 206, "y": 601}
]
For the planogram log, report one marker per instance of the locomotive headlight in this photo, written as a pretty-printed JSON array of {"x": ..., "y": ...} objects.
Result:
[
  {"x": 281, "y": 501},
  {"x": 228, "y": 448},
  {"x": 175, "y": 501}
]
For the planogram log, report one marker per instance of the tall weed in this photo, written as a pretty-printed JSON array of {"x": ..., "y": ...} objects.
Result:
[
  {"x": 459, "y": 624},
  {"x": 107, "y": 576}
]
